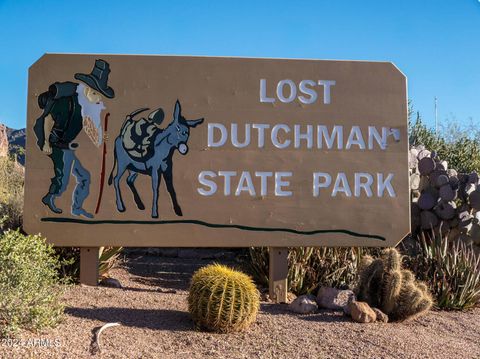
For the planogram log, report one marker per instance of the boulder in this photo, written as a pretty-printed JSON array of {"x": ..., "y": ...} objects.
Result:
[
  {"x": 447, "y": 193},
  {"x": 304, "y": 304},
  {"x": 381, "y": 316},
  {"x": 473, "y": 178},
  {"x": 442, "y": 180},
  {"x": 415, "y": 181},
  {"x": 362, "y": 313},
  {"x": 428, "y": 220},
  {"x": 426, "y": 166},
  {"x": 474, "y": 198},
  {"x": 446, "y": 210},
  {"x": 423, "y": 153},
  {"x": 427, "y": 200},
  {"x": 332, "y": 298}
]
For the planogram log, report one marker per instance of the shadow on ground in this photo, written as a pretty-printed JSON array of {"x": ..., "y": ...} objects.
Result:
[
  {"x": 323, "y": 315},
  {"x": 158, "y": 319},
  {"x": 164, "y": 272}
]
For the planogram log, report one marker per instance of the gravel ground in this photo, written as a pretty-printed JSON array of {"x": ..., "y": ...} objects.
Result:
[{"x": 155, "y": 323}]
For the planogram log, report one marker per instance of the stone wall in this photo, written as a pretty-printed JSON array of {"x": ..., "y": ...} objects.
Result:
[{"x": 443, "y": 199}]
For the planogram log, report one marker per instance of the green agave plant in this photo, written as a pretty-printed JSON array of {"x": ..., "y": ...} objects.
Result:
[
  {"x": 107, "y": 259},
  {"x": 451, "y": 270}
]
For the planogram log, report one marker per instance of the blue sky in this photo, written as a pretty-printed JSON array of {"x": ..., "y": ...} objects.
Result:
[{"x": 436, "y": 43}]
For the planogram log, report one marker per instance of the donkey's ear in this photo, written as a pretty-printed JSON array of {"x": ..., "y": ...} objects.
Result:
[
  {"x": 194, "y": 123},
  {"x": 177, "y": 112}
]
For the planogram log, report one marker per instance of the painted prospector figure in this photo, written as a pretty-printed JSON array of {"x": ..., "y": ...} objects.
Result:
[
  {"x": 69, "y": 107},
  {"x": 144, "y": 148}
]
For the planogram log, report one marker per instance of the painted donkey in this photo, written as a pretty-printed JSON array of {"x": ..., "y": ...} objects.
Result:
[{"x": 158, "y": 163}]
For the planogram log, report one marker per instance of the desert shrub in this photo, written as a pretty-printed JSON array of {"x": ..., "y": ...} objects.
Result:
[
  {"x": 460, "y": 147},
  {"x": 222, "y": 299},
  {"x": 69, "y": 258},
  {"x": 311, "y": 267},
  {"x": 450, "y": 269},
  {"x": 69, "y": 263},
  {"x": 29, "y": 284},
  {"x": 385, "y": 285},
  {"x": 11, "y": 194}
]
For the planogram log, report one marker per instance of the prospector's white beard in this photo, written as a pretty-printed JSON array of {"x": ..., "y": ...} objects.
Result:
[{"x": 92, "y": 111}]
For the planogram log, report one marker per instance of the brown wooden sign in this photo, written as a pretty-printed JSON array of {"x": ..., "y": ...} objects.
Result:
[{"x": 206, "y": 151}]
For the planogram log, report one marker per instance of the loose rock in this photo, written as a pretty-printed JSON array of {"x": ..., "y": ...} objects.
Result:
[
  {"x": 381, "y": 316},
  {"x": 362, "y": 313},
  {"x": 332, "y": 298},
  {"x": 304, "y": 304}
]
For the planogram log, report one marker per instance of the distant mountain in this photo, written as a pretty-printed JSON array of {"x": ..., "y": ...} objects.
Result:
[{"x": 13, "y": 142}]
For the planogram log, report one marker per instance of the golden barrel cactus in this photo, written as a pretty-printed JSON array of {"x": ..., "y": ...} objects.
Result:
[{"x": 222, "y": 299}]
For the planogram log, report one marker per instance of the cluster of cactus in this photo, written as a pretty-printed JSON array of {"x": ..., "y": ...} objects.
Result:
[
  {"x": 442, "y": 198},
  {"x": 222, "y": 299},
  {"x": 385, "y": 285}
]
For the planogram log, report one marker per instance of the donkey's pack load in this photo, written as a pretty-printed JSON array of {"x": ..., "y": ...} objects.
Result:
[{"x": 127, "y": 150}]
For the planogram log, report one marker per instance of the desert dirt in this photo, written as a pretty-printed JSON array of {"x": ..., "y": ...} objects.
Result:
[{"x": 154, "y": 323}]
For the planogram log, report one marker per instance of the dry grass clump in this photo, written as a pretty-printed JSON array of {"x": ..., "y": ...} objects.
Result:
[{"x": 11, "y": 194}]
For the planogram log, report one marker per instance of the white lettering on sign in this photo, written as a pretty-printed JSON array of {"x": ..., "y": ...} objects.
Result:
[
  {"x": 286, "y": 91},
  {"x": 263, "y": 92},
  {"x": 361, "y": 181},
  {"x": 292, "y": 91},
  {"x": 261, "y": 133},
  {"x": 274, "y": 136},
  {"x": 306, "y": 88},
  {"x": 366, "y": 186},
  {"x": 212, "y": 186},
  {"x": 263, "y": 181},
  {"x": 359, "y": 184},
  {"x": 355, "y": 138},
  {"x": 235, "y": 141},
  {"x": 281, "y": 136},
  {"x": 211, "y": 135},
  {"x": 298, "y": 136},
  {"x": 307, "y": 136},
  {"x": 385, "y": 184},
  {"x": 245, "y": 183},
  {"x": 323, "y": 135},
  {"x": 280, "y": 182}
]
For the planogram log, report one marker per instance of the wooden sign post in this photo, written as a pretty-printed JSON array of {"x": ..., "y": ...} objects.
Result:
[
  {"x": 89, "y": 265},
  {"x": 278, "y": 273},
  {"x": 216, "y": 152}
]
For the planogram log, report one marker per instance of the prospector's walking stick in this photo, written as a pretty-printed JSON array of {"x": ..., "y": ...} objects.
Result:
[{"x": 102, "y": 173}]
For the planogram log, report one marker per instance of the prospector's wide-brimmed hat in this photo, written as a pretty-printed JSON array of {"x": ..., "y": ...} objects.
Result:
[{"x": 98, "y": 78}]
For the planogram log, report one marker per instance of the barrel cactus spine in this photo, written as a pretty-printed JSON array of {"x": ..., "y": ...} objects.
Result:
[{"x": 222, "y": 299}]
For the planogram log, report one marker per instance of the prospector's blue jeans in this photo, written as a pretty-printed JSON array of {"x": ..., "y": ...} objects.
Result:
[{"x": 66, "y": 163}]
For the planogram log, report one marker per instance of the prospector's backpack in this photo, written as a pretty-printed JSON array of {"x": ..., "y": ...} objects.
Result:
[{"x": 46, "y": 100}]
